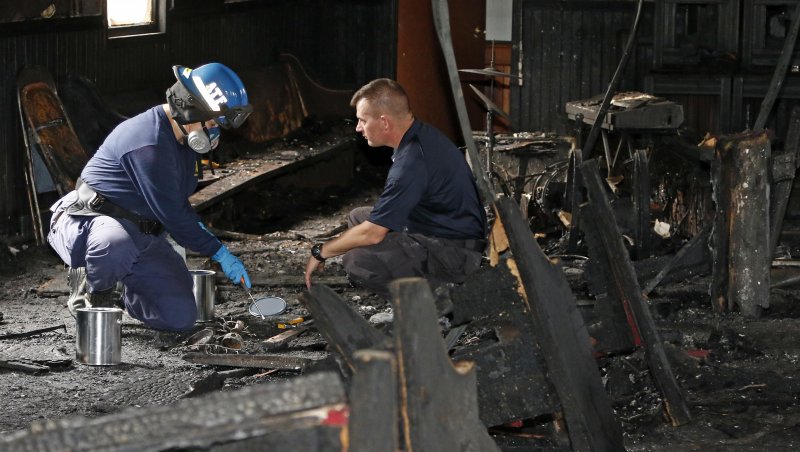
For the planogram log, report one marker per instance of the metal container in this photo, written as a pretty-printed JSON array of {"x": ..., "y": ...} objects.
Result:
[
  {"x": 205, "y": 294},
  {"x": 98, "y": 339}
]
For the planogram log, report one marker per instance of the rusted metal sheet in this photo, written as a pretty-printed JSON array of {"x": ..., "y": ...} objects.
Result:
[
  {"x": 740, "y": 239},
  {"x": 50, "y": 128}
]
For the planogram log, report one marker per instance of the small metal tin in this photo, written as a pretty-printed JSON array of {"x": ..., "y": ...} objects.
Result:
[{"x": 267, "y": 306}]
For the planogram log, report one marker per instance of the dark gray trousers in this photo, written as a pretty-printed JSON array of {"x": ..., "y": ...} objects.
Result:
[{"x": 402, "y": 255}]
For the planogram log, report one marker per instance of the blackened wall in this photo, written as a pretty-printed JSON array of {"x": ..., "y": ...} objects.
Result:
[
  {"x": 569, "y": 50},
  {"x": 342, "y": 44}
]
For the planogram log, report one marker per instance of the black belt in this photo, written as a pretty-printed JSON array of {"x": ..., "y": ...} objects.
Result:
[{"x": 99, "y": 204}]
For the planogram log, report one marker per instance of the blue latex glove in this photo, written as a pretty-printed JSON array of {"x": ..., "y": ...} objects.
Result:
[{"x": 232, "y": 266}]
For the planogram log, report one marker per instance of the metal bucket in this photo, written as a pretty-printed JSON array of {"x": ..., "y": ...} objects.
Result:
[
  {"x": 98, "y": 339},
  {"x": 205, "y": 293}
]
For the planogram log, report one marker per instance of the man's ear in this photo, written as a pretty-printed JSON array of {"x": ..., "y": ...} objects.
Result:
[{"x": 385, "y": 122}]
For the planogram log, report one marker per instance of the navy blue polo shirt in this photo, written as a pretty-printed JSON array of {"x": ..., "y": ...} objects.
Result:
[
  {"x": 141, "y": 167},
  {"x": 430, "y": 189}
]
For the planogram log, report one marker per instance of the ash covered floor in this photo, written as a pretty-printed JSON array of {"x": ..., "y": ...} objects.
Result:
[{"x": 740, "y": 376}]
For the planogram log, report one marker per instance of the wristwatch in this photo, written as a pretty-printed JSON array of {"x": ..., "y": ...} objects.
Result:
[{"x": 316, "y": 251}]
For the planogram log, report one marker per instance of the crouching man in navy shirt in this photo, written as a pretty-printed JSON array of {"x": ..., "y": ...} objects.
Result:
[
  {"x": 111, "y": 228},
  {"x": 429, "y": 220}
]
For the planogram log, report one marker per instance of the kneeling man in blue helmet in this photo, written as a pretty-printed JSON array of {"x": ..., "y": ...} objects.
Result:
[
  {"x": 112, "y": 228},
  {"x": 429, "y": 220}
]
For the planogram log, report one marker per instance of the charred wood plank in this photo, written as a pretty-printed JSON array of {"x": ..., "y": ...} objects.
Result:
[
  {"x": 560, "y": 333},
  {"x": 33, "y": 332},
  {"x": 574, "y": 197},
  {"x": 281, "y": 339},
  {"x": 344, "y": 328},
  {"x": 694, "y": 247},
  {"x": 784, "y": 165},
  {"x": 610, "y": 322},
  {"x": 626, "y": 288},
  {"x": 307, "y": 412},
  {"x": 373, "y": 402},
  {"x": 740, "y": 239},
  {"x": 489, "y": 299},
  {"x": 24, "y": 365},
  {"x": 247, "y": 360},
  {"x": 248, "y": 174},
  {"x": 439, "y": 402}
]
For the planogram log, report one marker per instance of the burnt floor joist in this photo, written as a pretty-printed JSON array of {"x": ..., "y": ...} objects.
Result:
[
  {"x": 246, "y": 173},
  {"x": 624, "y": 288}
]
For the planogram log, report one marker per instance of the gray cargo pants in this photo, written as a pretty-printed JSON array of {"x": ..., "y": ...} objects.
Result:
[{"x": 402, "y": 255}]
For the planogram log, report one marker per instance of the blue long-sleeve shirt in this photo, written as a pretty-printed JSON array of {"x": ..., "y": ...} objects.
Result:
[{"x": 142, "y": 167}]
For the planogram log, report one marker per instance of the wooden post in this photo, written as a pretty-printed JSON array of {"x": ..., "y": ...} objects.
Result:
[
  {"x": 373, "y": 402},
  {"x": 741, "y": 236},
  {"x": 439, "y": 402}
]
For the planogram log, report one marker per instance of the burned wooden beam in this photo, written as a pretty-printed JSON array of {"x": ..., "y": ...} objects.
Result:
[
  {"x": 308, "y": 412},
  {"x": 740, "y": 239},
  {"x": 247, "y": 360},
  {"x": 626, "y": 288},
  {"x": 784, "y": 165},
  {"x": 344, "y": 328},
  {"x": 373, "y": 402},
  {"x": 560, "y": 333},
  {"x": 439, "y": 403}
]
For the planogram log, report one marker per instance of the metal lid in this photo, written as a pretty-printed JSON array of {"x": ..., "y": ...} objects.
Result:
[{"x": 267, "y": 306}]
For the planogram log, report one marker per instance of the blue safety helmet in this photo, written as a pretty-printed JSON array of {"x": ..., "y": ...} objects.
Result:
[{"x": 212, "y": 91}]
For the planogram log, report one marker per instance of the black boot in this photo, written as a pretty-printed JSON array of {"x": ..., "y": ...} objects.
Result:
[{"x": 109, "y": 298}]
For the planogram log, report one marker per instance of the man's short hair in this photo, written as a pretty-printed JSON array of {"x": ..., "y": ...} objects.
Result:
[{"x": 383, "y": 95}]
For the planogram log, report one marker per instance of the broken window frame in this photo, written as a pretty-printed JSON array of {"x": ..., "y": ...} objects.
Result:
[{"x": 156, "y": 27}]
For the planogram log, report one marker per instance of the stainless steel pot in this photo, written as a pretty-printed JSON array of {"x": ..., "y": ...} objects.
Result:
[
  {"x": 98, "y": 341},
  {"x": 205, "y": 294}
]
